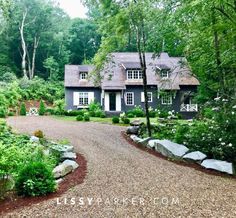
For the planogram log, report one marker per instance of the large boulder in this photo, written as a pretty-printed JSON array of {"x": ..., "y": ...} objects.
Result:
[
  {"x": 62, "y": 148},
  {"x": 170, "y": 149},
  {"x": 132, "y": 130},
  {"x": 64, "y": 168},
  {"x": 68, "y": 155},
  {"x": 152, "y": 143},
  {"x": 219, "y": 165},
  {"x": 34, "y": 139},
  {"x": 136, "y": 122},
  {"x": 135, "y": 138},
  {"x": 144, "y": 141},
  {"x": 195, "y": 156}
]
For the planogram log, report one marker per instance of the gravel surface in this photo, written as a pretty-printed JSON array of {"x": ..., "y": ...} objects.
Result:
[{"x": 123, "y": 181}]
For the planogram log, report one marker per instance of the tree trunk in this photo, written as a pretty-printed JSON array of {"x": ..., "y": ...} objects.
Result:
[
  {"x": 36, "y": 43},
  {"x": 23, "y": 45}
]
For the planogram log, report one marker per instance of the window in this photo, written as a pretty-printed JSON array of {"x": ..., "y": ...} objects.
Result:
[
  {"x": 166, "y": 98},
  {"x": 129, "y": 98},
  {"x": 164, "y": 74},
  {"x": 149, "y": 97},
  {"x": 83, "y": 98},
  {"x": 83, "y": 75},
  {"x": 134, "y": 74}
]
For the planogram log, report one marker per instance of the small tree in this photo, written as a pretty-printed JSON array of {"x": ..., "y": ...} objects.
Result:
[
  {"x": 42, "y": 108},
  {"x": 22, "y": 109}
]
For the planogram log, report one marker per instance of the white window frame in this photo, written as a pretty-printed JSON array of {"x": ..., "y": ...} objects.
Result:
[
  {"x": 83, "y": 75},
  {"x": 126, "y": 98},
  {"x": 166, "y": 98},
  {"x": 134, "y": 74},
  {"x": 149, "y": 95},
  {"x": 164, "y": 74},
  {"x": 83, "y": 96}
]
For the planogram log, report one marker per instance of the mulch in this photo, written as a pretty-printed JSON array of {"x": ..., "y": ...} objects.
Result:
[
  {"x": 75, "y": 178},
  {"x": 179, "y": 162}
]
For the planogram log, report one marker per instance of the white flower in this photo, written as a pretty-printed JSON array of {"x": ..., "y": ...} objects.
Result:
[
  {"x": 217, "y": 99},
  {"x": 222, "y": 143},
  {"x": 220, "y": 139},
  {"x": 232, "y": 112},
  {"x": 230, "y": 145},
  {"x": 234, "y": 107}
]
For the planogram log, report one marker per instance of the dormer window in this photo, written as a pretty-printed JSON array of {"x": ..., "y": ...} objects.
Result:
[
  {"x": 164, "y": 74},
  {"x": 83, "y": 75},
  {"x": 134, "y": 74}
]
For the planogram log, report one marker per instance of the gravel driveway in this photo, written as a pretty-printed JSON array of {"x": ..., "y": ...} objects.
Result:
[{"x": 123, "y": 181}]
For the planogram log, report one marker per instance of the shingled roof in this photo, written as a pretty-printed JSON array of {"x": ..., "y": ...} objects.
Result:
[{"x": 114, "y": 76}]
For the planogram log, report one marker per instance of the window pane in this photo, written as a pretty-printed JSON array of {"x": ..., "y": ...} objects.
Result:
[
  {"x": 140, "y": 74},
  {"x": 129, "y": 98}
]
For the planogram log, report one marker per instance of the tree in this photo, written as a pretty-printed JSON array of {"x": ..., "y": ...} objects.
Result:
[
  {"x": 42, "y": 108},
  {"x": 53, "y": 68}
]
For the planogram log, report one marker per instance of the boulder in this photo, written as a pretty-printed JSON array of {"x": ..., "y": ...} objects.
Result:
[
  {"x": 132, "y": 130},
  {"x": 63, "y": 148},
  {"x": 219, "y": 165},
  {"x": 195, "y": 156},
  {"x": 144, "y": 141},
  {"x": 170, "y": 149},
  {"x": 151, "y": 143},
  {"x": 34, "y": 139},
  {"x": 136, "y": 123},
  {"x": 68, "y": 155},
  {"x": 135, "y": 138},
  {"x": 58, "y": 181},
  {"x": 71, "y": 163}
]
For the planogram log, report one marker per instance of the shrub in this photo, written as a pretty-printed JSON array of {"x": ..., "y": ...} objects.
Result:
[
  {"x": 74, "y": 113},
  {"x": 22, "y": 109},
  {"x": 208, "y": 113},
  {"x": 59, "y": 107},
  {"x": 39, "y": 134},
  {"x": 91, "y": 113},
  {"x": 42, "y": 108},
  {"x": 103, "y": 115},
  {"x": 93, "y": 106},
  {"x": 2, "y": 112},
  {"x": 130, "y": 115},
  {"x": 11, "y": 113},
  {"x": 79, "y": 118},
  {"x": 126, "y": 121},
  {"x": 86, "y": 118},
  {"x": 152, "y": 113},
  {"x": 115, "y": 119},
  {"x": 138, "y": 111},
  {"x": 35, "y": 179},
  {"x": 50, "y": 111},
  {"x": 98, "y": 113}
]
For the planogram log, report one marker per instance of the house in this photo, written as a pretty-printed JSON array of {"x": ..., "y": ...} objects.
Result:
[{"x": 170, "y": 83}]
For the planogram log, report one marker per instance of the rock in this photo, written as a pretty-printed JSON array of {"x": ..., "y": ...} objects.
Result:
[
  {"x": 195, "y": 156},
  {"x": 135, "y": 138},
  {"x": 219, "y": 165},
  {"x": 58, "y": 181},
  {"x": 46, "y": 152},
  {"x": 71, "y": 163},
  {"x": 68, "y": 155},
  {"x": 62, "y": 170},
  {"x": 144, "y": 141},
  {"x": 132, "y": 130},
  {"x": 63, "y": 148},
  {"x": 34, "y": 139},
  {"x": 170, "y": 149},
  {"x": 151, "y": 143},
  {"x": 136, "y": 123}
]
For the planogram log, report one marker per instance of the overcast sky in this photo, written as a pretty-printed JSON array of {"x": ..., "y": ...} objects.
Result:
[{"x": 73, "y": 7}]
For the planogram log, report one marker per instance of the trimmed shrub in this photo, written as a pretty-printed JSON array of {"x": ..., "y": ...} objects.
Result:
[
  {"x": 86, "y": 118},
  {"x": 11, "y": 113},
  {"x": 79, "y": 118},
  {"x": 35, "y": 179},
  {"x": 91, "y": 113},
  {"x": 103, "y": 115},
  {"x": 98, "y": 113},
  {"x": 39, "y": 134},
  {"x": 50, "y": 111},
  {"x": 152, "y": 114},
  {"x": 42, "y": 108},
  {"x": 2, "y": 112},
  {"x": 22, "y": 109},
  {"x": 130, "y": 115},
  {"x": 115, "y": 119},
  {"x": 126, "y": 121}
]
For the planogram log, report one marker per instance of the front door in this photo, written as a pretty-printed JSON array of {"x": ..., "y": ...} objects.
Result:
[{"x": 112, "y": 100}]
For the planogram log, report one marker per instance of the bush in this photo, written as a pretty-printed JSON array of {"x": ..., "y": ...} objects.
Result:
[
  {"x": 103, "y": 115},
  {"x": 11, "y": 113},
  {"x": 35, "y": 179},
  {"x": 86, "y": 118},
  {"x": 126, "y": 121},
  {"x": 208, "y": 113},
  {"x": 98, "y": 113},
  {"x": 22, "y": 109},
  {"x": 130, "y": 115},
  {"x": 138, "y": 111},
  {"x": 91, "y": 113},
  {"x": 39, "y": 134},
  {"x": 2, "y": 112},
  {"x": 42, "y": 108},
  {"x": 115, "y": 119},
  {"x": 93, "y": 106},
  {"x": 79, "y": 118},
  {"x": 152, "y": 113},
  {"x": 74, "y": 113},
  {"x": 50, "y": 111}
]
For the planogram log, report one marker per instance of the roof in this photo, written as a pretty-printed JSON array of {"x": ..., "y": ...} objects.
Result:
[{"x": 114, "y": 75}]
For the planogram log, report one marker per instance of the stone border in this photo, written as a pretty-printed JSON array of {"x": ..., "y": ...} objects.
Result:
[{"x": 180, "y": 152}]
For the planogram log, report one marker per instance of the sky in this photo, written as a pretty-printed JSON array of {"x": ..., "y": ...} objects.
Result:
[{"x": 73, "y": 7}]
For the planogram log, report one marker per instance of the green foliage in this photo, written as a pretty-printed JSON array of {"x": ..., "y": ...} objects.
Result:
[
  {"x": 208, "y": 113},
  {"x": 3, "y": 112},
  {"x": 35, "y": 179},
  {"x": 79, "y": 118},
  {"x": 126, "y": 121},
  {"x": 86, "y": 118},
  {"x": 115, "y": 119},
  {"x": 42, "y": 108},
  {"x": 59, "y": 107},
  {"x": 8, "y": 77},
  {"x": 22, "y": 109},
  {"x": 130, "y": 115},
  {"x": 103, "y": 115},
  {"x": 137, "y": 111}
]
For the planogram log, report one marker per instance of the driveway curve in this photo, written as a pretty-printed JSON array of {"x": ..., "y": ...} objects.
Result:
[{"x": 123, "y": 181}]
